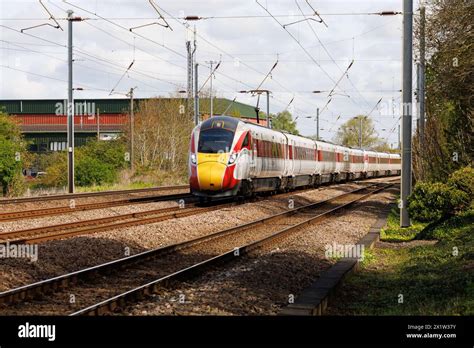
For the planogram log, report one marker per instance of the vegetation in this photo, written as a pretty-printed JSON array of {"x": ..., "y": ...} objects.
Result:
[
  {"x": 161, "y": 138},
  {"x": 349, "y": 135},
  {"x": 96, "y": 163},
  {"x": 432, "y": 279},
  {"x": 448, "y": 142},
  {"x": 392, "y": 232},
  {"x": 12, "y": 156},
  {"x": 284, "y": 121},
  {"x": 425, "y": 269},
  {"x": 433, "y": 201}
]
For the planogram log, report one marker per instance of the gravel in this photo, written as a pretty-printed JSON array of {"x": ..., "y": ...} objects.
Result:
[
  {"x": 62, "y": 256},
  {"x": 4, "y": 208},
  {"x": 263, "y": 283}
]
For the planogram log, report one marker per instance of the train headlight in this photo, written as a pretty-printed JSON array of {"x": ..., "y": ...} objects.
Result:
[
  {"x": 232, "y": 158},
  {"x": 193, "y": 158}
]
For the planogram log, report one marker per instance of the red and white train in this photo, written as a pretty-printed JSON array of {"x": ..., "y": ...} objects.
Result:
[{"x": 230, "y": 157}]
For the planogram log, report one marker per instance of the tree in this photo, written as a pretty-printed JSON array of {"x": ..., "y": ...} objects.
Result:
[
  {"x": 383, "y": 146},
  {"x": 12, "y": 150},
  {"x": 284, "y": 121},
  {"x": 96, "y": 163},
  {"x": 162, "y": 134},
  {"x": 349, "y": 133},
  {"x": 448, "y": 141}
]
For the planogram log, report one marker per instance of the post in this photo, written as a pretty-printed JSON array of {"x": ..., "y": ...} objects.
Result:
[
  {"x": 399, "y": 138},
  {"x": 406, "y": 110},
  {"x": 98, "y": 124},
  {"x": 360, "y": 132},
  {"x": 421, "y": 114},
  {"x": 269, "y": 121},
  {"x": 210, "y": 92},
  {"x": 70, "y": 110},
  {"x": 196, "y": 95},
  {"x": 190, "y": 74},
  {"x": 317, "y": 124},
  {"x": 132, "y": 129}
]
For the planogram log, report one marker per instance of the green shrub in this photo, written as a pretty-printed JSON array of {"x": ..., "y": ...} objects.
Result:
[
  {"x": 432, "y": 201},
  {"x": 463, "y": 179},
  {"x": 96, "y": 163},
  {"x": 93, "y": 171},
  {"x": 111, "y": 152},
  {"x": 12, "y": 151},
  {"x": 56, "y": 173}
]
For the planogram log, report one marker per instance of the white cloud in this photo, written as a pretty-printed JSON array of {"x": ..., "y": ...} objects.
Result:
[{"x": 256, "y": 42}]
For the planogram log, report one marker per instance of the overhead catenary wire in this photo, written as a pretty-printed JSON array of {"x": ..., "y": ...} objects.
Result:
[
  {"x": 228, "y": 77},
  {"x": 229, "y": 17},
  {"x": 121, "y": 77}
]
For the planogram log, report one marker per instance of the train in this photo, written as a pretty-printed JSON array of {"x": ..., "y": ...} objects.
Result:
[{"x": 230, "y": 157}]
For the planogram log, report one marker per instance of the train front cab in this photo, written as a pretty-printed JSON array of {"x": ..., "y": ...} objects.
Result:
[{"x": 214, "y": 150}]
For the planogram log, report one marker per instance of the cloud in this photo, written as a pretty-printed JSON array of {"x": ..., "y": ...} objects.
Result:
[{"x": 248, "y": 48}]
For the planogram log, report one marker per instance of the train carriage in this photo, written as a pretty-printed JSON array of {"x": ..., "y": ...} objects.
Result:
[
  {"x": 326, "y": 160},
  {"x": 342, "y": 163},
  {"x": 302, "y": 159},
  {"x": 229, "y": 157},
  {"x": 356, "y": 166}
]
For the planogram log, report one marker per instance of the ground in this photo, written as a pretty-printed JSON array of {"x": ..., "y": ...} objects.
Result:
[{"x": 424, "y": 270}]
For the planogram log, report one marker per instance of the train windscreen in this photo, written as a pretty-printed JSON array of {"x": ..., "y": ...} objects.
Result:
[{"x": 215, "y": 140}]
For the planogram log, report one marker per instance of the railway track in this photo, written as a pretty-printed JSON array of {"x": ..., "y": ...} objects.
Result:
[
  {"x": 90, "y": 194},
  {"x": 30, "y": 214},
  {"x": 60, "y": 231},
  {"x": 106, "y": 287},
  {"x": 53, "y": 232}
]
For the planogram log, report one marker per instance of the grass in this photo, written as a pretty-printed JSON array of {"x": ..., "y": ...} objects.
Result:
[
  {"x": 434, "y": 278},
  {"x": 394, "y": 233},
  {"x": 113, "y": 187}
]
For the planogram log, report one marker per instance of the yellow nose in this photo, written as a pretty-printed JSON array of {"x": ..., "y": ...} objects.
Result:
[{"x": 211, "y": 170}]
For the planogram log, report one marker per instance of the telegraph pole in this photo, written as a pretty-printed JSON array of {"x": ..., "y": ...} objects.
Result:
[
  {"x": 132, "y": 129},
  {"x": 399, "y": 138},
  {"x": 196, "y": 95},
  {"x": 211, "y": 62},
  {"x": 98, "y": 124},
  {"x": 406, "y": 110},
  {"x": 360, "y": 132},
  {"x": 190, "y": 74},
  {"x": 70, "y": 109},
  {"x": 212, "y": 103},
  {"x": 269, "y": 121},
  {"x": 421, "y": 90},
  {"x": 317, "y": 124}
]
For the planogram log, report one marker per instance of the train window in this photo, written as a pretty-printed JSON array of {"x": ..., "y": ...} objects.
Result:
[{"x": 215, "y": 140}]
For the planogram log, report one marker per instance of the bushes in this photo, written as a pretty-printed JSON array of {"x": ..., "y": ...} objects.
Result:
[
  {"x": 433, "y": 201},
  {"x": 12, "y": 150},
  {"x": 92, "y": 171},
  {"x": 96, "y": 163},
  {"x": 463, "y": 179}
]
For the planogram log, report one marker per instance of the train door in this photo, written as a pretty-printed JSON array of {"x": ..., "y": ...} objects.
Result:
[
  {"x": 291, "y": 157},
  {"x": 297, "y": 156},
  {"x": 286, "y": 156},
  {"x": 255, "y": 167}
]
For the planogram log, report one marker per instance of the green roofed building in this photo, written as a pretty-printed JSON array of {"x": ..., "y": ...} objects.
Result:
[{"x": 44, "y": 123}]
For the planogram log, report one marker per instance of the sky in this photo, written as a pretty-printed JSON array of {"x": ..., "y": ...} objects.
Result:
[{"x": 312, "y": 55}]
